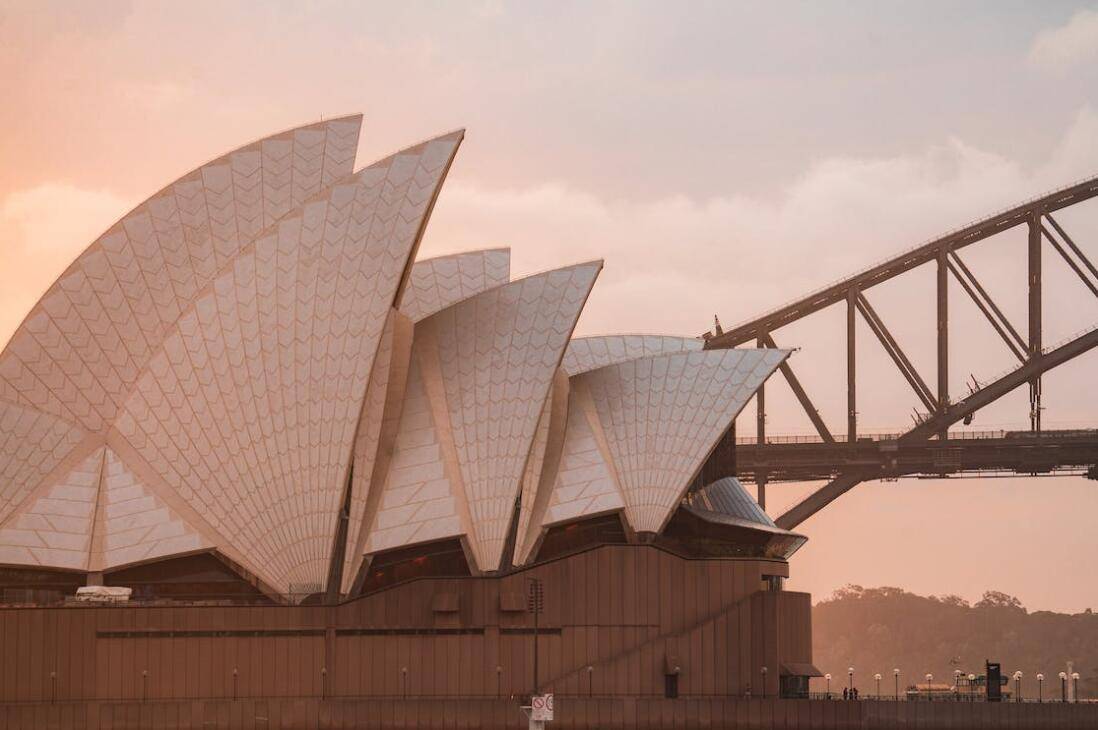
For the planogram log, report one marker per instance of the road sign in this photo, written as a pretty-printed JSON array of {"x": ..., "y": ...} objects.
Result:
[{"x": 541, "y": 708}]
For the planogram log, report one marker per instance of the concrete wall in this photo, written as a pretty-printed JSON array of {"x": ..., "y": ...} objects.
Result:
[
  {"x": 571, "y": 713},
  {"x": 624, "y": 610}
]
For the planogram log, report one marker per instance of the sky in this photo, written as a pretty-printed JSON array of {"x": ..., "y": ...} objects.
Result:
[{"x": 721, "y": 157}]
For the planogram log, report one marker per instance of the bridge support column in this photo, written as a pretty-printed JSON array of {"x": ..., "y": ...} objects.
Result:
[
  {"x": 851, "y": 391},
  {"x": 943, "y": 334},
  {"x": 1035, "y": 344},
  {"x": 760, "y": 426}
]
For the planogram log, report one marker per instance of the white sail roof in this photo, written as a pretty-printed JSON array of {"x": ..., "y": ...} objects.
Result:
[
  {"x": 439, "y": 282},
  {"x": 597, "y": 351},
  {"x": 228, "y": 379},
  {"x": 480, "y": 373}
]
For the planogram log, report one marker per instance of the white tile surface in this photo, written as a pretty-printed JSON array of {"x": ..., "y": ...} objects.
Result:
[
  {"x": 437, "y": 283},
  {"x": 589, "y": 353}
]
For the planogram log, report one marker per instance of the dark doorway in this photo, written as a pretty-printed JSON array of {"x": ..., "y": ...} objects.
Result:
[{"x": 671, "y": 686}]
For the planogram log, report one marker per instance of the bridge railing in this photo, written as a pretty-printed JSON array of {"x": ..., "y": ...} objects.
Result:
[{"x": 894, "y": 435}]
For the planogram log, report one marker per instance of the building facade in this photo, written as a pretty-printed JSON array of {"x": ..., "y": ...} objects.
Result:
[{"x": 328, "y": 468}]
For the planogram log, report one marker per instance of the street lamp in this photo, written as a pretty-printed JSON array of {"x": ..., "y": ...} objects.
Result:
[
  {"x": 1040, "y": 687},
  {"x": 590, "y": 680},
  {"x": 1018, "y": 685},
  {"x": 763, "y": 673},
  {"x": 971, "y": 685},
  {"x": 850, "y": 678},
  {"x": 828, "y": 678},
  {"x": 1063, "y": 687},
  {"x": 877, "y": 677},
  {"x": 896, "y": 677},
  {"x": 1075, "y": 686},
  {"x": 929, "y": 678}
]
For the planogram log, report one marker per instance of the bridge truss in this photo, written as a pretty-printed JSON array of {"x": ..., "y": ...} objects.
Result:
[{"x": 928, "y": 448}]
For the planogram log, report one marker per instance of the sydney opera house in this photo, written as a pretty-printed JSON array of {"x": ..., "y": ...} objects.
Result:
[{"x": 345, "y": 481}]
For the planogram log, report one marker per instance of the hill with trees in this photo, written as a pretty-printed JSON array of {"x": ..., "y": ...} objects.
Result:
[{"x": 877, "y": 629}]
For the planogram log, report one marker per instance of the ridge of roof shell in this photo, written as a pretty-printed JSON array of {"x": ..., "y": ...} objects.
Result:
[
  {"x": 207, "y": 428},
  {"x": 595, "y": 351},
  {"x": 212, "y": 372},
  {"x": 82, "y": 344},
  {"x": 481, "y": 371},
  {"x": 113, "y": 303},
  {"x": 438, "y": 282},
  {"x": 652, "y": 421},
  {"x": 341, "y": 256}
]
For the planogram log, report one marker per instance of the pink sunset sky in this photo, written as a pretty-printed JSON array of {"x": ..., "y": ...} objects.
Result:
[{"x": 723, "y": 158}]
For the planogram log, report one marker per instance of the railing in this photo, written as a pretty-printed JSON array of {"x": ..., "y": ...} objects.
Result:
[
  {"x": 952, "y": 436},
  {"x": 937, "y": 697}
]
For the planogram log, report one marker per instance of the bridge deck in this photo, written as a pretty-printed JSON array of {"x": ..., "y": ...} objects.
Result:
[{"x": 809, "y": 458}]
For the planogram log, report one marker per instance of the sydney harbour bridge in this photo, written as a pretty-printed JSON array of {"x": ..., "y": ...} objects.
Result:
[{"x": 928, "y": 448}]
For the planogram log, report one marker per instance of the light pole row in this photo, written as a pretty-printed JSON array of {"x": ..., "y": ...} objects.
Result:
[{"x": 957, "y": 675}]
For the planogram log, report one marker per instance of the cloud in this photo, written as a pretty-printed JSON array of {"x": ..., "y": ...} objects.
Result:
[
  {"x": 1069, "y": 45},
  {"x": 739, "y": 254},
  {"x": 42, "y": 229},
  {"x": 59, "y": 218}
]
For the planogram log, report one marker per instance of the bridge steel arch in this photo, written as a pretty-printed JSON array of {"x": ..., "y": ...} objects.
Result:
[{"x": 1034, "y": 358}]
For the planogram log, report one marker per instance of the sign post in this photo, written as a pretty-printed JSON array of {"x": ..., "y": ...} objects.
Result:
[{"x": 539, "y": 712}]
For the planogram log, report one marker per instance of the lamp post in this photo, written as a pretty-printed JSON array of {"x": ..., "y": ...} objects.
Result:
[
  {"x": 929, "y": 679},
  {"x": 1040, "y": 687},
  {"x": 535, "y": 603},
  {"x": 404, "y": 681},
  {"x": 144, "y": 684},
  {"x": 828, "y": 678},
  {"x": 971, "y": 686},
  {"x": 896, "y": 678},
  {"x": 1018, "y": 685},
  {"x": 590, "y": 680},
  {"x": 850, "y": 679},
  {"x": 763, "y": 673},
  {"x": 877, "y": 677},
  {"x": 499, "y": 686},
  {"x": 1063, "y": 687},
  {"x": 235, "y": 675},
  {"x": 323, "y": 682},
  {"x": 1075, "y": 686}
]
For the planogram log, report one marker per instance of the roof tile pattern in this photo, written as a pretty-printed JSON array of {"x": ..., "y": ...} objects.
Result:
[
  {"x": 498, "y": 352},
  {"x": 662, "y": 415},
  {"x": 588, "y": 353},
  {"x": 480, "y": 375},
  {"x": 82, "y": 347},
  {"x": 376, "y": 433},
  {"x": 55, "y": 530},
  {"x": 531, "y": 476},
  {"x": 248, "y": 409},
  {"x": 586, "y": 484},
  {"x": 134, "y": 525},
  {"x": 32, "y": 444},
  {"x": 419, "y": 502},
  {"x": 541, "y": 467},
  {"x": 439, "y": 282}
]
